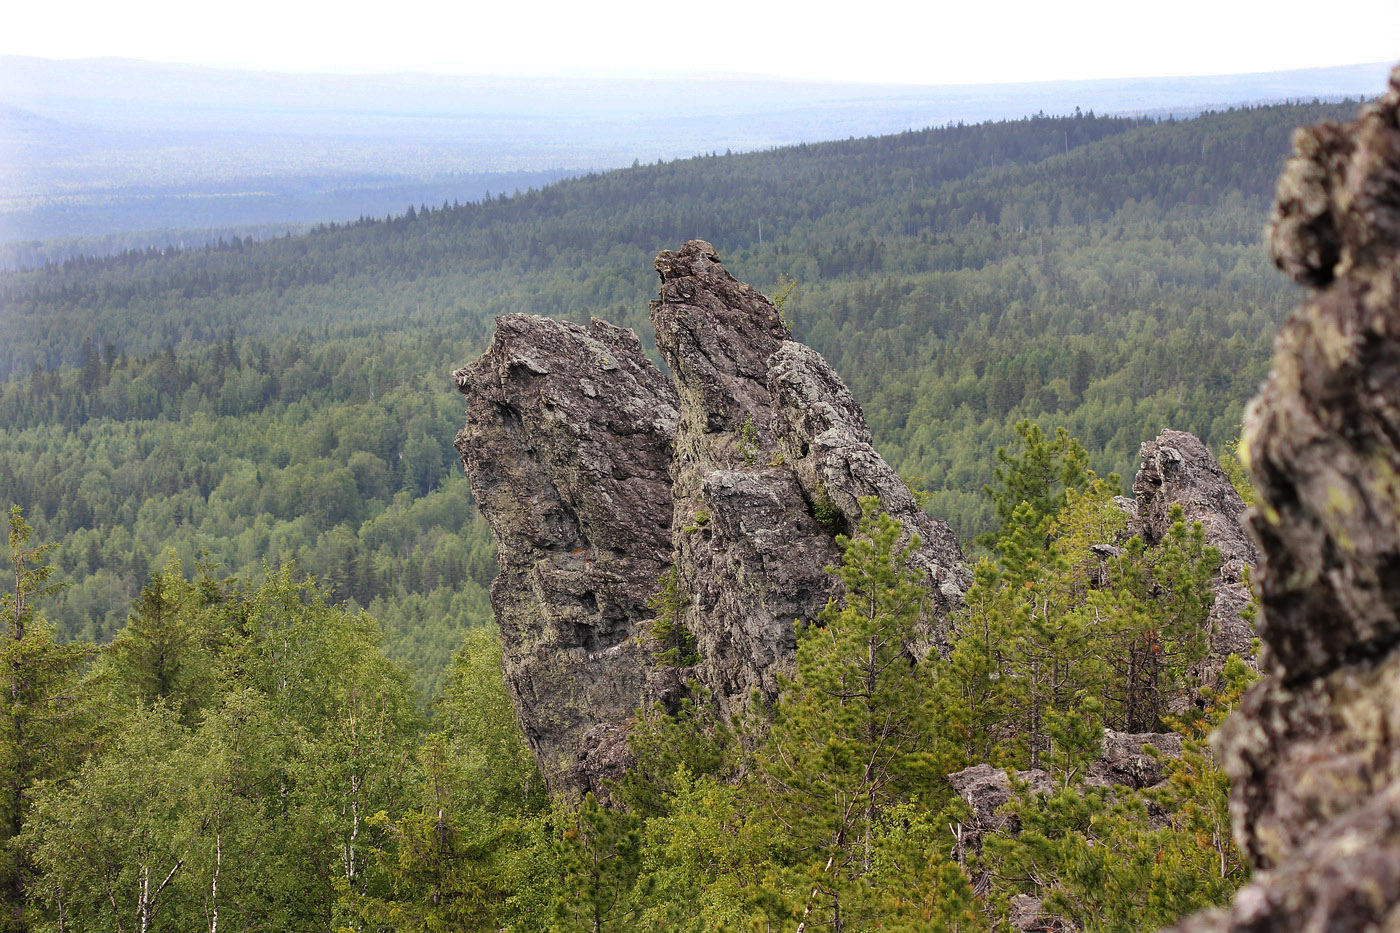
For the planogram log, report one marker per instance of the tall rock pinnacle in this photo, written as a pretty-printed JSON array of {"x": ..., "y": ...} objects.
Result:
[{"x": 599, "y": 478}]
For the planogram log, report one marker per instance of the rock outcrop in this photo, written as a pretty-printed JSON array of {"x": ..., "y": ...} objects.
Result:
[
  {"x": 772, "y": 456},
  {"x": 1177, "y": 469},
  {"x": 599, "y": 476},
  {"x": 568, "y": 447},
  {"x": 1314, "y": 751},
  {"x": 1123, "y": 763},
  {"x": 986, "y": 791}
]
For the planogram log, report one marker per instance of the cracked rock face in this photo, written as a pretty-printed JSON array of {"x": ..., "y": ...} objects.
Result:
[
  {"x": 1177, "y": 469},
  {"x": 598, "y": 475},
  {"x": 772, "y": 454},
  {"x": 568, "y": 447},
  {"x": 1314, "y": 752}
]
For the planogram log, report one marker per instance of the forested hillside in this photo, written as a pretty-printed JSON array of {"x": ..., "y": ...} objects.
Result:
[{"x": 289, "y": 399}]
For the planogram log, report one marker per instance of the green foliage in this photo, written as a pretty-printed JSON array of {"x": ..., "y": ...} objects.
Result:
[
  {"x": 1231, "y": 457},
  {"x": 42, "y": 730},
  {"x": 848, "y": 738},
  {"x": 476, "y": 713},
  {"x": 748, "y": 441},
  {"x": 165, "y": 652},
  {"x": 672, "y": 643},
  {"x": 687, "y": 741},
  {"x": 333, "y": 458},
  {"x": 1064, "y": 627},
  {"x": 783, "y": 295},
  {"x": 597, "y": 855},
  {"x": 249, "y": 790},
  {"x": 245, "y": 751},
  {"x": 1039, "y": 477},
  {"x": 826, "y": 512},
  {"x": 1110, "y": 859}
]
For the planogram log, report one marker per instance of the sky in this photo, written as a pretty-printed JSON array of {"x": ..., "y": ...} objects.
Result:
[{"x": 878, "y": 41}]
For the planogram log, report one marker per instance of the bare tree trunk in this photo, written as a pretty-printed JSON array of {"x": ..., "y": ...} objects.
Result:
[
  {"x": 811, "y": 898},
  {"x": 143, "y": 903},
  {"x": 214, "y": 882}
]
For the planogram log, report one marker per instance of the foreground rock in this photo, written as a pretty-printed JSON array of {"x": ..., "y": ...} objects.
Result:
[
  {"x": 599, "y": 477},
  {"x": 1314, "y": 752},
  {"x": 1177, "y": 469}
]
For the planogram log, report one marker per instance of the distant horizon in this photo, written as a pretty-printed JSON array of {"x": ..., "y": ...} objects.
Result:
[
  {"x": 885, "y": 42},
  {"x": 666, "y": 77}
]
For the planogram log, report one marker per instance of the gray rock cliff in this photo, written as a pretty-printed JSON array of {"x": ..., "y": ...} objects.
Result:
[{"x": 568, "y": 447}]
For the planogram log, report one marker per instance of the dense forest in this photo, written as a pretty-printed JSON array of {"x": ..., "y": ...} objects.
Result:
[
  {"x": 258, "y": 403},
  {"x": 254, "y": 682},
  {"x": 243, "y": 754}
]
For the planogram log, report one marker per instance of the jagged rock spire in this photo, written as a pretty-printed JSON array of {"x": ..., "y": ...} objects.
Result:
[{"x": 598, "y": 476}]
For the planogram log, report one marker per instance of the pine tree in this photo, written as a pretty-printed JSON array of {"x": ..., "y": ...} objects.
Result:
[
  {"x": 598, "y": 856},
  {"x": 1039, "y": 476},
  {"x": 40, "y": 731},
  {"x": 851, "y": 737},
  {"x": 164, "y": 652}
]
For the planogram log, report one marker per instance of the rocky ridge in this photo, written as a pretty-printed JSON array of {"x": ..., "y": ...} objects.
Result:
[
  {"x": 1313, "y": 752},
  {"x": 727, "y": 483}
]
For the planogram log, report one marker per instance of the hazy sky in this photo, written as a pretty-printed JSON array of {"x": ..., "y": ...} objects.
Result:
[{"x": 923, "y": 41}]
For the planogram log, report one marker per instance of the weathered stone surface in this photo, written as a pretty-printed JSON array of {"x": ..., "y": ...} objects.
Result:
[
  {"x": 772, "y": 454},
  {"x": 986, "y": 790},
  {"x": 1026, "y": 915},
  {"x": 750, "y": 558},
  {"x": 598, "y": 476},
  {"x": 1314, "y": 752},
  {"x": 821, "y": 434},
  {"x": 1123, "y": 761},
  {"x": 568, "y": 444},
  {"x": 1177, "y": 469}
]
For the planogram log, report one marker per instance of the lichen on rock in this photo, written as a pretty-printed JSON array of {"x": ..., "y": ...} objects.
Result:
[{"x": 1314, "y": 751}]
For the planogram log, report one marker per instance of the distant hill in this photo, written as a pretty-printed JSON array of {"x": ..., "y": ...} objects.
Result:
[
  {"x": 290, "y": 397},
  {"x": 112, "y": 146}
]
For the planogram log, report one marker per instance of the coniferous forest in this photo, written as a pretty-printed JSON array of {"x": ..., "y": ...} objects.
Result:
[{"x": 249, "y": 663}]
